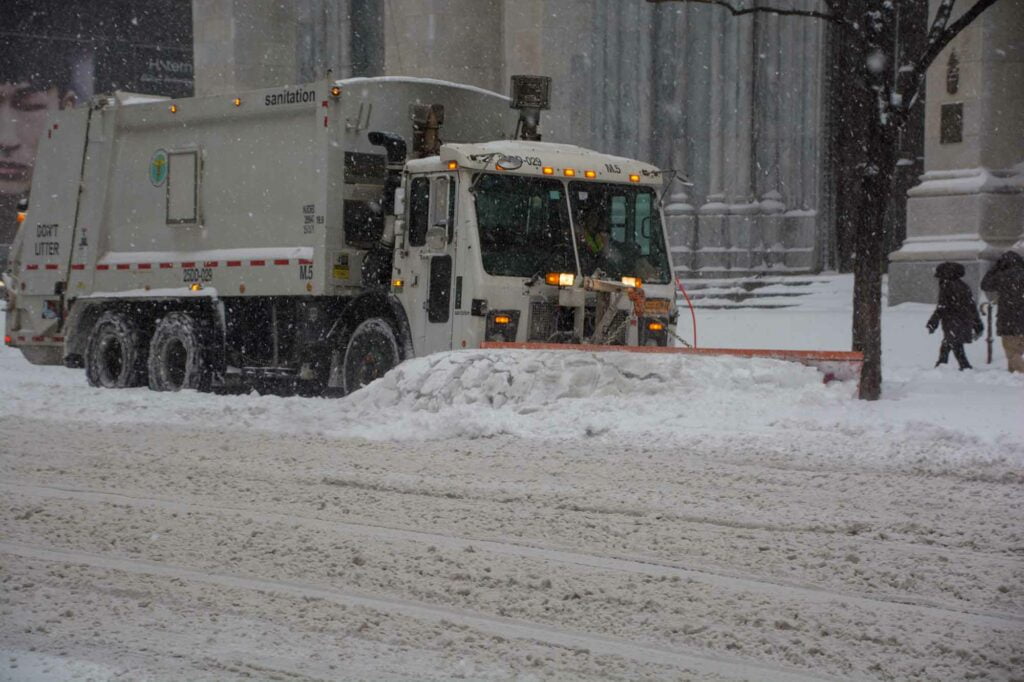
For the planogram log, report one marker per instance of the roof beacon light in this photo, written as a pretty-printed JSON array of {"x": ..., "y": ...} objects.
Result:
[{"x": 508, "y": 163}]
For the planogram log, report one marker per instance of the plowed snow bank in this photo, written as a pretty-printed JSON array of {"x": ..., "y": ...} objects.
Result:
[{"x": 579, "y": 393}]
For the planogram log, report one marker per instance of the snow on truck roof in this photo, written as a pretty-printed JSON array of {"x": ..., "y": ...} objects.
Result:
[
  {"x": 551, "y": 158},
  {"x": 413, "y": 80}
]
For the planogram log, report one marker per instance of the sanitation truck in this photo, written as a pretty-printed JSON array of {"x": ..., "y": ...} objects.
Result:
[{"x": 310, "y": 238}]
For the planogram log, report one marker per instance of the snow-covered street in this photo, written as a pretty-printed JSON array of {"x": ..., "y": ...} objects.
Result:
[{"x": 508, "y": 515}]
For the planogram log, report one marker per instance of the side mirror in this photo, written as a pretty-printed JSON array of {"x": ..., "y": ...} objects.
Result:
[
  {"x": 399, "y": 201},
  {"x": 437, "y": 238}
]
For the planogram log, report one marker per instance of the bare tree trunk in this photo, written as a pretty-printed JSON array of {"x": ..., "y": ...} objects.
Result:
[
  {"x": 867, "y": 287},
  {"x": 877, "y": 186}
]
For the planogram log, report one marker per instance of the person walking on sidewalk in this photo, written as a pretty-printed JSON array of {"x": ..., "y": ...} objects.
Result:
[
  {"x": 960, "y": 320},
  {"x": 1004, "y": 284}
]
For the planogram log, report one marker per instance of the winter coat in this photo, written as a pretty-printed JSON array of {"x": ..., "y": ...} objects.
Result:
[
  {"x": 956, "y": 310},
  {"x": 1005, "y": 279}
]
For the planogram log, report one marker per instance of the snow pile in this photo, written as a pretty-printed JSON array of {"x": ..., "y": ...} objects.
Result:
[
  {"x": 528, "y": 380},
  {"x": 574, "y": 393}
]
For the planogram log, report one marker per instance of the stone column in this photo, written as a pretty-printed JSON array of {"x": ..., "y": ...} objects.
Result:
[
  {"x": 243, "y": 44},
  {"x": 969, "y": 206},
  {"x": 456, "y": 40}
]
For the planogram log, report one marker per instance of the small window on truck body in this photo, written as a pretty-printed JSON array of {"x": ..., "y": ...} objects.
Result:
[
  {"x": 419, "y": 211},
  {"x": 183, "y": 188}
]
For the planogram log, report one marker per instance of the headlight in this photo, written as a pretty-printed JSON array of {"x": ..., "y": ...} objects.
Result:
[
  {"x": 560, "y": 279},
  {"x": 634, "y": 282}
]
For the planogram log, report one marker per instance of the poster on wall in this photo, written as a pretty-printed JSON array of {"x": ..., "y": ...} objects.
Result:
[{"x": 56, "y": 54}]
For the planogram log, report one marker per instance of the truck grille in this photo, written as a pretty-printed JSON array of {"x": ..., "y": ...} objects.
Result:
[{"x": 542, "y": 321}]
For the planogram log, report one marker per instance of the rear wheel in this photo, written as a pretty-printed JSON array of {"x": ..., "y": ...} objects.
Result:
[
  {"x": 179, "y": 355},
  {"x": 371, "y": 352},
  {"x": 113, "y": 354}
]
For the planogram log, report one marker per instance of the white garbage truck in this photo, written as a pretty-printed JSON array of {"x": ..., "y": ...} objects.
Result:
[{"x": 309, "y": 238}]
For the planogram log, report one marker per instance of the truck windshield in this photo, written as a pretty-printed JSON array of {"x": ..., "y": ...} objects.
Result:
[
  {"x": 619, "y": 232},
  {"x": 524, "y": 225}
]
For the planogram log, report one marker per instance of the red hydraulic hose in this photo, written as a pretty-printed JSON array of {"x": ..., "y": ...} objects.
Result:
[{"x": 693, "y": 314}]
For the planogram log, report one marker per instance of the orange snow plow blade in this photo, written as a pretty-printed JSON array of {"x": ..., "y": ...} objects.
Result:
[{"x": 834, "y": 365}]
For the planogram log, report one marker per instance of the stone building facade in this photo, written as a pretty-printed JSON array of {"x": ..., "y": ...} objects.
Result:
[
  {"x": 735, "y": 104},
  {"x": 969, "y": 204}
]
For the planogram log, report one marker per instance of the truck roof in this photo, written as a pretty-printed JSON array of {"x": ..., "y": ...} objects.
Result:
[
  {"x": 416, "y": 80},
  {"x": 549, "y": 158}
]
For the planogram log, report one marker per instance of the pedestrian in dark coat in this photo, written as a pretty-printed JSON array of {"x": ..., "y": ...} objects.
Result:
[
  {"x": 960, "y": 320},
  {"x": 1004, "y": 283}
]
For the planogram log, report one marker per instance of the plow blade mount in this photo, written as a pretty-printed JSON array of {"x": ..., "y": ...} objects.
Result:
[{"x": 834, "y": 365}]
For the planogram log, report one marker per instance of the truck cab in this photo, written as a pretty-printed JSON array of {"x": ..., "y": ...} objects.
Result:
[{"x": 531, "y": 242}]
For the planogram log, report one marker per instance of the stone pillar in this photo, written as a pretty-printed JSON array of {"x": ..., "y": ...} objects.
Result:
[
  {"x": 456, "y": 40},
  {"x": 969, "y": 206},
  {"x": 243, "y": 44}
]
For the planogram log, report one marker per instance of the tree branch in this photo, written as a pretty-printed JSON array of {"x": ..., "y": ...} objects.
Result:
[
  {"x": 765, "y": 10},
  {"x": 938, "y": 38},
  {"x": 939, "y": 42}
]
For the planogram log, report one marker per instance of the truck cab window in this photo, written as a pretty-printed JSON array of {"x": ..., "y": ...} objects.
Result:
[
  {"x": 442, "y": 209},
  {"x": 619, "y": 231},
  {"x": 524, "y": 226},
  {"x": 419, "y": 211}
]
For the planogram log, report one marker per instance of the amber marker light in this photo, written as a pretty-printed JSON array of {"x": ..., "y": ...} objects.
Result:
[
  {"x": 335, "y": 91},
  {"x": 502, "y": 319},
  {"x": 397, "y": 284},
  {"x": 569, "y": 172},
  {"x": 590, "y": 174},
  {"x": 655, "y": 326},
  {"x": 560, "y": 279},
  {"x": 548, "y": 170},
  {"x": 237, "y": 101},
  {"x": 174, "y": 108},
  {"x": 21, "y": 216},
  {"x": 453, "y": 165},
  {"x": 196, "y": 286},
  {"x": 634, "y": 282},
  {"x": 633, "y": 177}
]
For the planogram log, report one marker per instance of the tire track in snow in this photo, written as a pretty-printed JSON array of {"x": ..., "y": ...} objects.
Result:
[
  {"x": 595, "y": 644},
  {"x": 730, "y": 580}
]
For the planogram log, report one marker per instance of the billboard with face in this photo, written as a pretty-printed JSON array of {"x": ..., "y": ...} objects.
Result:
[{"x": 55, "y": 53}]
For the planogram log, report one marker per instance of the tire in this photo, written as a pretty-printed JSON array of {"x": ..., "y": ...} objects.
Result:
[
  {"x": 180, "y": 354},
  {"x": 114, "y": 354},
  {"x": 371, "y": 352}
]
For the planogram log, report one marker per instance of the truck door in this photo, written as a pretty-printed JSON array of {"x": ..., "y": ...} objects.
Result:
[{"x": 432, "y": 239}]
